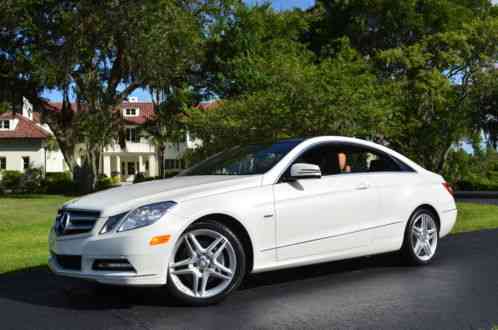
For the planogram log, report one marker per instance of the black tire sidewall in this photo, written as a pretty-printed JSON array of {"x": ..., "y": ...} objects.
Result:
[
  {"x": 239, "y": 272},
  {"x": 407, "y": 249}
]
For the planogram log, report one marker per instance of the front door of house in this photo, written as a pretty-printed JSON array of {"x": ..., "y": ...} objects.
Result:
[{"x": 131, "y": 168}]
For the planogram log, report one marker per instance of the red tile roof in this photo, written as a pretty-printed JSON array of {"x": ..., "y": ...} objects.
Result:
[
  {"x": 208, "y": 105},
  {"x": 146, "y": 112},
  {"x": 146, "y": 109},
  {"x": 25, "y": 129}
]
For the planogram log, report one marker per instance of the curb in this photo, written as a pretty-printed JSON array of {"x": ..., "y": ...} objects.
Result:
[{"x": 476, "y": 194}]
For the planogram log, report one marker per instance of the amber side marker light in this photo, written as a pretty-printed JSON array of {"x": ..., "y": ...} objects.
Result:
[{"x": 156, "y": 240}]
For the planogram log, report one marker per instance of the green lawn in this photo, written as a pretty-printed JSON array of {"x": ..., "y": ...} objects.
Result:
[
  {"x": 26, "y": 220},
  {"x": 24, "y": 225},
  {"x": 475, "y": 217}
]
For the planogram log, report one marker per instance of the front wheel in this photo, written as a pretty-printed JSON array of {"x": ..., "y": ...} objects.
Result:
[
  {"x": 208, "y": 262},
  {"x": 421, "y": 237}
]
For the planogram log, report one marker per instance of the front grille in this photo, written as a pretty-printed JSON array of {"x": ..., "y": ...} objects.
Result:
[
  {"x": 72, "y": 222},
  {"x": 69, "y": 262}
]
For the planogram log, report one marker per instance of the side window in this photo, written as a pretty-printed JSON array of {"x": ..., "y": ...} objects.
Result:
[
  {"x": 336, "y": 158},
  {"x": 363, "y": 160},
  {"x": 325, "y": 156}
]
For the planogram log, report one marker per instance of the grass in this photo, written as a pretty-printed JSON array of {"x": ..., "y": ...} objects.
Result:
[
  {"x": 24, "y": 225},
  {"x": 473, "y": 217},
  {"x": 25, "y": 222}
]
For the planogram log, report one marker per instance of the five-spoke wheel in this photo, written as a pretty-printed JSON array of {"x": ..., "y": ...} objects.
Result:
[{"x": 208, "y": 262}]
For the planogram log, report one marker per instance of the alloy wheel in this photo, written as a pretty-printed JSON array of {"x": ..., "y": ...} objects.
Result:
[
  {"x": 204, "y": 263},
  {"x": 424, "y": 236}
]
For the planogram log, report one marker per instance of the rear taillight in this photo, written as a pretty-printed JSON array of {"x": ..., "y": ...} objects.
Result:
[{"x": 448, "y": 187}]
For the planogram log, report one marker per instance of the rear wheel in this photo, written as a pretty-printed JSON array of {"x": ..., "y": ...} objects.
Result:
[
  {"x": 208, "y": 262},
  {"x": 421, "y": 237}
]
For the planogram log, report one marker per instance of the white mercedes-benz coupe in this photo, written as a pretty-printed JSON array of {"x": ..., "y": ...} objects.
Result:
[{"x": 252, "y": 209}]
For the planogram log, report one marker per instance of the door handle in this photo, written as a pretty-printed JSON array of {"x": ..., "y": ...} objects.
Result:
[{"x": 362, "y": 186}]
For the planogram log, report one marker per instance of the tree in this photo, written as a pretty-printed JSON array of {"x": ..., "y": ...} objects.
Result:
[
  {"x": 484, "y": 103},
  {"x": 373, "y": 26},
  {"x": 247, "y": 32},
  {"x": 166, "y": 126},
  {"x": 286, "y": 93},
  {"x": 99, "y": 52},
  {"x": 431, "y": 82}
]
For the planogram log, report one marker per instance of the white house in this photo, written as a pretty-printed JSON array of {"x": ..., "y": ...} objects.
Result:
[
  {"x": 24, "y": 141},
  {"x": 139, "y": 154}
]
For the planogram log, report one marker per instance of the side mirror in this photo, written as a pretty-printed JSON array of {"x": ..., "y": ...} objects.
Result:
[{"x": 305, "y": 171}]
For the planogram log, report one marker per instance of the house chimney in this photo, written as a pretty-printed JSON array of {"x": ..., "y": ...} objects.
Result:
[{"x": 27, "y": 108}]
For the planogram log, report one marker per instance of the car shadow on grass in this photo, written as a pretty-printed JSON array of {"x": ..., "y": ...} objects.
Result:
[{"x": 38, "y": 286}]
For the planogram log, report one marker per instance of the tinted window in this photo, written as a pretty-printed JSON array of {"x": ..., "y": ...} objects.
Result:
[
  {"x": 360, "y": 160},
  {"x": 325, "y": 156},
  {"x": 346, "y": 158},
  {"x": 246, "y": 160}
]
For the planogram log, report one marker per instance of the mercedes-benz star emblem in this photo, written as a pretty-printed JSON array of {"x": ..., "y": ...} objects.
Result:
[{"x": 61, "y": 223}]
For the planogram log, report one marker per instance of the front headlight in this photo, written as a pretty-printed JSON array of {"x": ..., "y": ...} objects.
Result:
[{"x": 145, "y": 215}]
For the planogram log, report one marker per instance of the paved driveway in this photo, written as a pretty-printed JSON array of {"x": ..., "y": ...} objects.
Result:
[{"x": 458, "y": 291}]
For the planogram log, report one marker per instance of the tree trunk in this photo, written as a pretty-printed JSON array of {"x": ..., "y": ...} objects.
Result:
[
  {"x": 442, "y": 160},
  {"x": 160, "y": 156},
  {"x": 86, "y": 175}
]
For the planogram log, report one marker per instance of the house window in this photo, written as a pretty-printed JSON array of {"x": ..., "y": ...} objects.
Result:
[
  {"x": 147, "y": 165},
  {"x": 5, "y": 124},
  {"x": 131, "y": 112},
  {"x": 25, "y": 162},
  {"x": 3, "y": 163},
  {"x": 171, "y": 164},
  {"x": 132, "y": 135}
]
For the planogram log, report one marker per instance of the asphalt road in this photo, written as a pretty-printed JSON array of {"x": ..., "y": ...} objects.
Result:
[{"x": 458, "y": 291}]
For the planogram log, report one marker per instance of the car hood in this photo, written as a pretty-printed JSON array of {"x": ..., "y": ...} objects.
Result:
[{"x": 127, "y": 197}]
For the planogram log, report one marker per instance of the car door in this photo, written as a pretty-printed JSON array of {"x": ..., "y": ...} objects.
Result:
[
  {"x": 395, "y": 182},
  {"x": 326, "y": 215}
]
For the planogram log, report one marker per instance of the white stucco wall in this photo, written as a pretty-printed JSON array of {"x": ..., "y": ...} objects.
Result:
[
  {"x": 15, "y": 150},
  {"x": 55, "y": 162}
]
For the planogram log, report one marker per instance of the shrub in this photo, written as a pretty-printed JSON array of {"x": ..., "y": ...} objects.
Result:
[
  {"x": 31, "y": 180},
  {"x": 139, "y": 177},
  {"x": 477, "y": 171},
  {"x": 170, "y": 174},
  {"x": 11, "y": 180},
  {"x": 477, "y": 183},
  {"x": 115, "y": 179},
  {"x": 59, "y": 183},
  {"x": 103, "y": 182},
  {"x": 142, "y": 178}
]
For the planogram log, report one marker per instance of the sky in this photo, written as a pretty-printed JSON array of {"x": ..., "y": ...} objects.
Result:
[
  {"x": 286, "y": 4},
  {"x": 277, "y": 4}
]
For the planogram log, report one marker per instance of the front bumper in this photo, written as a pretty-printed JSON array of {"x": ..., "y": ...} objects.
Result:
[
  {"x": 149, "y": 263},
  {"x": 107, "y": 277}
]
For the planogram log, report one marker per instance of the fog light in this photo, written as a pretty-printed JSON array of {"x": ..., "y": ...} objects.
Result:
[
  {"x": 156, "y": 240},
  {"x": 113, "y": 265}
]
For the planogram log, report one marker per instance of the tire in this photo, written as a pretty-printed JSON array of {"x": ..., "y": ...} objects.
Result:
[
  {"x": 200, "y": 276},
  {"x": 421, "y": 238}
]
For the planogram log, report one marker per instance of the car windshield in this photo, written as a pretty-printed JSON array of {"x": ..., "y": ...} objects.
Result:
[{"x": 244, "y": 160}]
